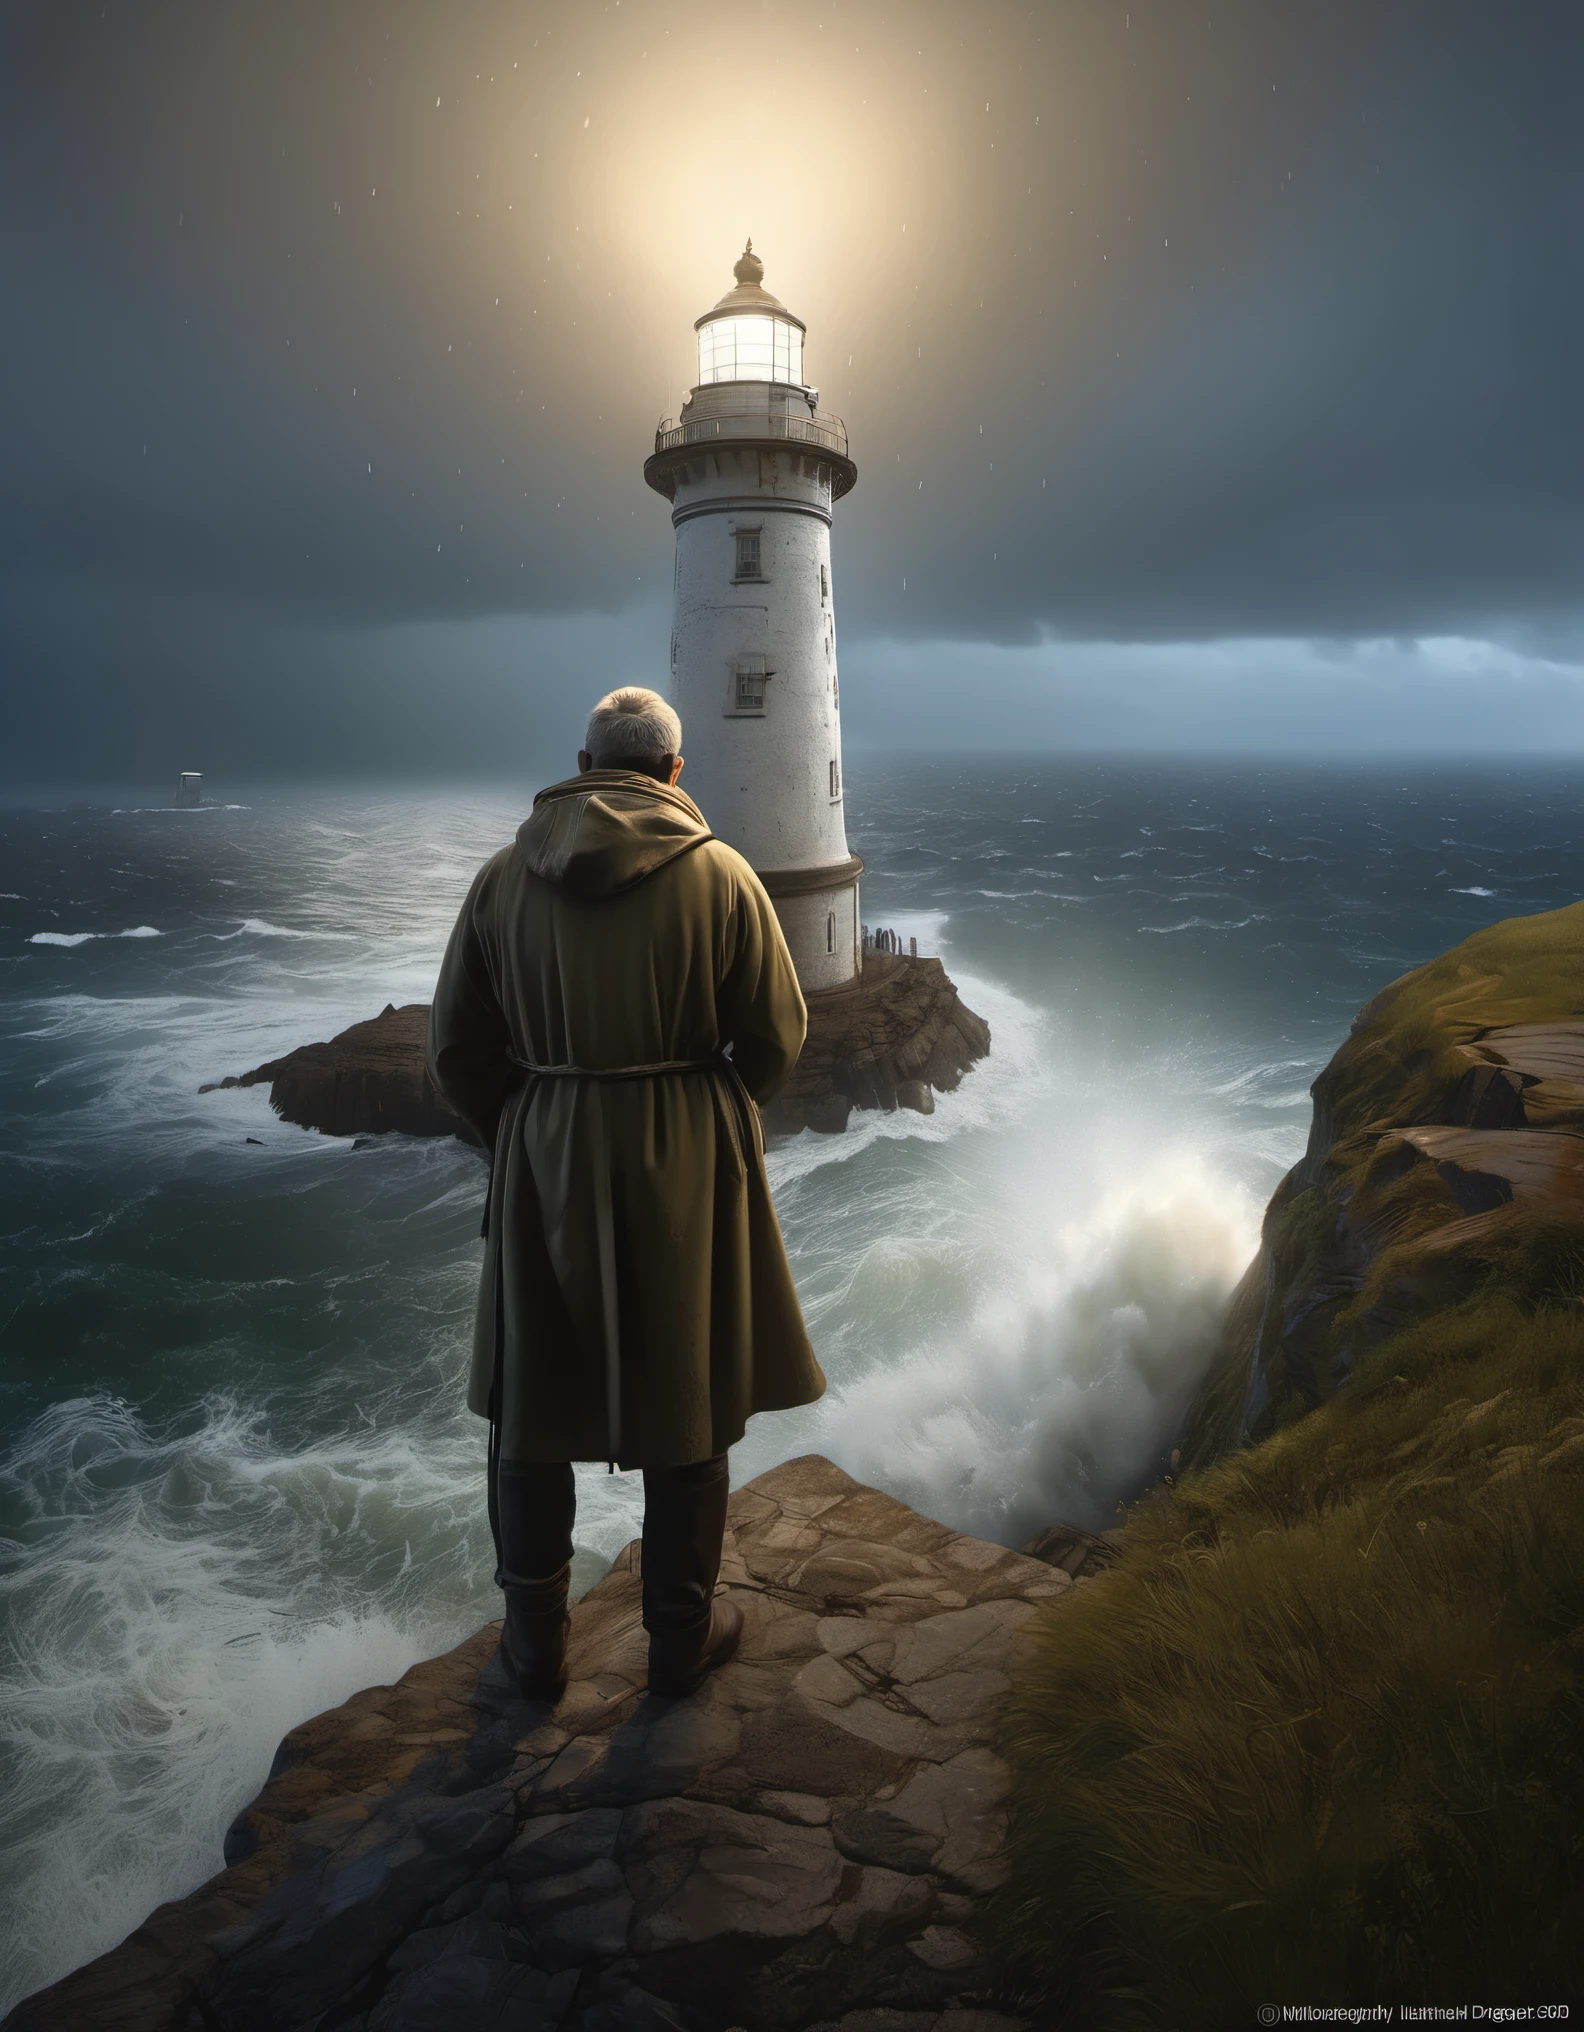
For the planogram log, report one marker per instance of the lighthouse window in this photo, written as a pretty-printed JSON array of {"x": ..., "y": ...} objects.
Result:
[
  {"x": 748, "y": 685},
  {"x": 830, "y": 932},
  {"x": 824, "y": 581},
  {"x": 748, "y": 554},
  {"x": 835, "y": 779}
]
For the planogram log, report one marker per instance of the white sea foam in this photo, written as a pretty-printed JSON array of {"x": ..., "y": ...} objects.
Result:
[
  {"x": 82, "y": 937},
  {"x": 176, "y": 1603},
  {"x": 1206, "y": 924},
  {"x": 260, "y": 927}
]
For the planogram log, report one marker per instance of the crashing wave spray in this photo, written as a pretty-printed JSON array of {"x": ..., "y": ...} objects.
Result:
[
  {"x": 1021, "y": 1334},
  {"x": 1063, "y": 1391}
]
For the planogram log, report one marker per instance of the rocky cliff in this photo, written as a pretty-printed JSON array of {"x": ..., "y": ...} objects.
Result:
[
  {"x": 1317, "y": 1730},
  {"x": 808, "y": 1842},
  {"x": 1446, "y": 1157},
  {"x": 895, "y": 1037}
]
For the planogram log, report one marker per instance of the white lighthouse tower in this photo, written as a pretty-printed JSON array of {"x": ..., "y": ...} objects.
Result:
[{"x": 752, "y": 468}]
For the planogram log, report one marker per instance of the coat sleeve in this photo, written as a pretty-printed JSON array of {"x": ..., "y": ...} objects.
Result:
[
  {"x": 759, "y": 1005},
  {"x": 469, "y": 1037}
]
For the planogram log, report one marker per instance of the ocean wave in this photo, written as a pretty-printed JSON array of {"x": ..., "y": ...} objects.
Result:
[
  {"x": 1253, "y": 1082},
  {"x": 173, "y": 1604},
  {"x": 1473, "y": 892},
  {"x": 1205, "y": 924}
]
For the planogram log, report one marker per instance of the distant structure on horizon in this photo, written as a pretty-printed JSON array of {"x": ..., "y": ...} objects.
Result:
[
  {"x": 752, "y": 468},
  {"x": 189, "y": 790}
]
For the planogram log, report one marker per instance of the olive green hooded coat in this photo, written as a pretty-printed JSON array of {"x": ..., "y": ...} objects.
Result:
[{"x": 646, "y": 1305}]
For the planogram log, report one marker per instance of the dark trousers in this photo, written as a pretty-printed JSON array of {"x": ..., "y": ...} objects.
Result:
[{"x": 684, "y": 1521}]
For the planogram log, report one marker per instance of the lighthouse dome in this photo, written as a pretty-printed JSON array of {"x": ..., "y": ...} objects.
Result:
[{"x": 750, "y": 335}]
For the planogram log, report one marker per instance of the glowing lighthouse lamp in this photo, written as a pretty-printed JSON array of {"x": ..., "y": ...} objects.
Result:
[{"x": 752, "y": 468}]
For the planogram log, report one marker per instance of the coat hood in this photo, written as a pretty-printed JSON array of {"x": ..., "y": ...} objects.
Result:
[{"x": 600, "y": 833}]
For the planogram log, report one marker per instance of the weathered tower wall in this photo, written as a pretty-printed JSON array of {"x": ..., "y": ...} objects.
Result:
[{"x": 753, "y": 675}]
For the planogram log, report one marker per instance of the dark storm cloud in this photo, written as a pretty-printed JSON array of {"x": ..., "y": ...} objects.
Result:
[{"x": 1164, "y": 321}]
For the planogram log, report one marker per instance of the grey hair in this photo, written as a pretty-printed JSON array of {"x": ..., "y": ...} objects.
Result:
[{"x": 632, "y": 725}]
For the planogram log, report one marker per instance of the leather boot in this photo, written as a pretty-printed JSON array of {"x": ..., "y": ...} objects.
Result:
[
  {"x": 533, "y": 1639},
  {"x": 690, "y": 1633},
  {"x": 680, "y": 1660}
]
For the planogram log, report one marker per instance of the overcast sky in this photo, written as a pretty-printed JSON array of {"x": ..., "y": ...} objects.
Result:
[{"x": 1214, "y": 372}]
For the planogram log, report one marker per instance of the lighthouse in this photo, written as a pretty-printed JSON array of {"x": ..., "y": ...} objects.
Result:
[{"x": 753, "y": 468}]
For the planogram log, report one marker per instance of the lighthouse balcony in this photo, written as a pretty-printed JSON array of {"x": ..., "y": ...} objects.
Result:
[
  {"x": 826, "y": 432},
  {"x": 741, "y": 416}
]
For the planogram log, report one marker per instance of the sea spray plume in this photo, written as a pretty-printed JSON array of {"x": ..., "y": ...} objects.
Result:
[{"x": 1069, "y": 1383}]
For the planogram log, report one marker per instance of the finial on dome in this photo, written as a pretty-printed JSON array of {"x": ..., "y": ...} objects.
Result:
[{"x": 749, "y": 269}]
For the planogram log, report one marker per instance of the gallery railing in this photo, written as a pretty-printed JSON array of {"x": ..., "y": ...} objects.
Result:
[{"x": 828, "y": 432}]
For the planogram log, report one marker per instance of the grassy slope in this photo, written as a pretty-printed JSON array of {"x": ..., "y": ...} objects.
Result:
[{"x": 1317, "y": 1736}]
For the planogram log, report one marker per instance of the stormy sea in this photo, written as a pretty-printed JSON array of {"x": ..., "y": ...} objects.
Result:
[{"x": 236, "y": 1477}]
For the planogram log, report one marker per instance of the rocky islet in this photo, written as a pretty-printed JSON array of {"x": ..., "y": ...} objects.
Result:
[{"x": 893, "y": 1039}]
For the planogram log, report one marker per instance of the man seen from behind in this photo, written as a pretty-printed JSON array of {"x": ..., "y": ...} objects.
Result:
[{"x": 615, "y": 999}]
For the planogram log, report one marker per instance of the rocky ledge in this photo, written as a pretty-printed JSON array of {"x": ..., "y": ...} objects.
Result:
[
  {"x": 805, "y": 1845},
  {"x": 893, "y": 1039}
]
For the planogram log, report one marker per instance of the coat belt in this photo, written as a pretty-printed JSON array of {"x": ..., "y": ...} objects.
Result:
[{"x": 719, "y": 1063}]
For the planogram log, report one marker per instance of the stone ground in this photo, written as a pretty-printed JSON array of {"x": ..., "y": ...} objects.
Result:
[{"x": 804, "y": 1845}]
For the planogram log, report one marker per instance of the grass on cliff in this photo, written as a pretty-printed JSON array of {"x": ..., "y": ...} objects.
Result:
[
  {"x": 1521, "y": 970},
  {"x": 1318, "y": 1737}
]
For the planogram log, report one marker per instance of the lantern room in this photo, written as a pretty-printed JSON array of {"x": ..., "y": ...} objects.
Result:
[{"x": 750, "y": 335}]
